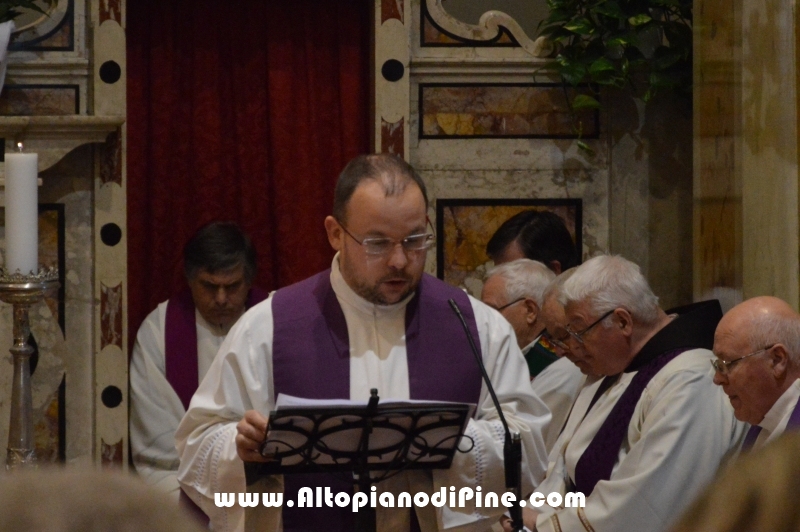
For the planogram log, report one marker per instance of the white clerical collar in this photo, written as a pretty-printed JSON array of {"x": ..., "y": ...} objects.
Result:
[
  {"x": 212, "y": 329},
  {"x": 779, "y": 413},
  {"x": 345, "y": 294}
]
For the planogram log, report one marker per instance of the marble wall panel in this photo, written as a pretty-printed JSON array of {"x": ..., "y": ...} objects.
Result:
[
  {"x": 636, "y": 189},
  {"x": 464, "y": 226},
  {"x": 39, "y": 100},
  {"x": 518, "y": 168},
  {"x": 507, "y": 110},
  {"x": 70, "y": 183}
]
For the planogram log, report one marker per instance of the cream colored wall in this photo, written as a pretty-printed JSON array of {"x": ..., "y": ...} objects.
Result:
[{"x": 745, "y": 168}]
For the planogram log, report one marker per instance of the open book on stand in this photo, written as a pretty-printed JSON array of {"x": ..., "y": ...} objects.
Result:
[{"x": 307, "y": 435}]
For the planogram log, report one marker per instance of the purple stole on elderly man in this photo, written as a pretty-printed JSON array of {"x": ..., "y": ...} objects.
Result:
[
  {"x": 693, "y": 328},
  {"x": 180, "y": 341},
  {"x": 311, "y": 359},
  {"x": 792, "y": 425}
]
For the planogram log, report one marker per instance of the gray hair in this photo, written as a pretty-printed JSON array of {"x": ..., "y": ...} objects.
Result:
[
  {"x": 607, "y": 282},
  {"x": 524, "y": 278},
  {"x": 555, "y": 287},
  {"x": 766, "y": 329}
]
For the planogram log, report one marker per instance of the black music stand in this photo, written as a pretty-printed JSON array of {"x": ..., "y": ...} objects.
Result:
[{"x": 372, "y": 441}]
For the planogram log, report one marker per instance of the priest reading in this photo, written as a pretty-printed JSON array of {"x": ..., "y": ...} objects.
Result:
[{"x": 373, "y": 320}]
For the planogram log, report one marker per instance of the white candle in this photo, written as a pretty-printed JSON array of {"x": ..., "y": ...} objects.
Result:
[{"x": 22, "y": 213}]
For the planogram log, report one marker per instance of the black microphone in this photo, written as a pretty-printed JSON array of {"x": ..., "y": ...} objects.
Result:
[{"x": 512, "y": 448}]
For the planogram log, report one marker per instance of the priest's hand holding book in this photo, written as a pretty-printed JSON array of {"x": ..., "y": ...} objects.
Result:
[{"x": 252, "y": 431}]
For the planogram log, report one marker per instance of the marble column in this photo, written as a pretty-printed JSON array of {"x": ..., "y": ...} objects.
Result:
[{"x": 746, "y": 150}]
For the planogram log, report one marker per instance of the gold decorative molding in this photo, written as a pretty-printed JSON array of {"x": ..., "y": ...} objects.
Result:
[{"x": 488, "y": 28}]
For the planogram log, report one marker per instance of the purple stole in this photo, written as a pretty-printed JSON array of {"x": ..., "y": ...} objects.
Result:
[
  {"x": 792, "y": 425},
  {"x": 180, "y": 342},
  {"x": 180, "y": 358},
  {"x": 693, "y": 328},
  {"x": 311, "y": 359}
]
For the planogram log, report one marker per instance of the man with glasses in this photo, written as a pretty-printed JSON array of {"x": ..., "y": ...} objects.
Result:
[
  {"x": 757, "y": 364},
  {"x": 643, "y": 440},
  {"x": 374, "y": 320},
  {"x": 516, "y": 290}
]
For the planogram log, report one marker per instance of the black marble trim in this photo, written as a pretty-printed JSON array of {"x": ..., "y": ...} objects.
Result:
[{"x": 420, "y": 110}]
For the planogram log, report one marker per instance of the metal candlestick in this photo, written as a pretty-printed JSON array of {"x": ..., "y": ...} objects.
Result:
[{"x": 22, "y": 291}]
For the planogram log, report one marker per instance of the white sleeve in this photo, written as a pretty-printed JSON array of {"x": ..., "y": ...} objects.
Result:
[
  {"x": 156, "y": 409},
  {"x": 681, "y": 431},
  {"x": 557, "y": 386},
  {"x": 524, "y": 412},
  {"x": 239, "y": 379}
]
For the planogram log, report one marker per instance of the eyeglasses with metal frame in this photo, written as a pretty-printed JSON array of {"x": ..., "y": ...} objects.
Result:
[
  {"x": 723, "y": 367},
  {"x": 555, "y": 341},
  {"x": 578, "y": 336},
  {"x": 382, "y": 246},
  {"x": 500, "y": 309}
]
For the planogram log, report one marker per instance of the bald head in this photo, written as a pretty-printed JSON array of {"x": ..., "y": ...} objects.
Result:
[
  {"x": 757, "y": 344},
  {"x": 762, "y": 321}
]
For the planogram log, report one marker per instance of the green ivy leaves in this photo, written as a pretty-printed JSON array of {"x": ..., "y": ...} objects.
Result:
[{"x": 619, "y": 43}]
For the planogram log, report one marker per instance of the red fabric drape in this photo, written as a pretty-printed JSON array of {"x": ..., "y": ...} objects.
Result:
[{"x": 241, "y": 111}]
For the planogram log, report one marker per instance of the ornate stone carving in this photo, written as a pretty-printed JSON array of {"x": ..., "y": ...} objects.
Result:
[{"x": 489, "y": 28}]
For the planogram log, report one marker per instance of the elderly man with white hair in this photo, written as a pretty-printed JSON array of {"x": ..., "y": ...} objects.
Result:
[
  {"x": 757, "y": 345},
  {"x": 642, "y": 441},
  {"x": 516, "y": 289}
]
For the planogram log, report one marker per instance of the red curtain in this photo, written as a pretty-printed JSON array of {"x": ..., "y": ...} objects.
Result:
[{"x": 241, "y": 111}]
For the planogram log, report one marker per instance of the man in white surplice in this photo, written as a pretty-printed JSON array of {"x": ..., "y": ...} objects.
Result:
[
  {"x": 757, "y": 345},
  {"x": 516, "y": 289},
  {"x": 641, "y": 442},
  {"x": 220, "y": 263},
  {"x": 378, "y": 229}
]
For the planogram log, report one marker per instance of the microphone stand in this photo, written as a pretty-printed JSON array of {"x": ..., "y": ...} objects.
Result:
[{"x": 512, "y": 448}]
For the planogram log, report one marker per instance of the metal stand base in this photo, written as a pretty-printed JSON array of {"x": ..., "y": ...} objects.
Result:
[{"x": 22, "y": 291}]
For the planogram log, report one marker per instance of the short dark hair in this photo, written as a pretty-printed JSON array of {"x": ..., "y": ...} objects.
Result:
[
  {"x": 217, "y": 247},
  {"x": 390, "y": 170},
  {"x": 541, "y": 235}
]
